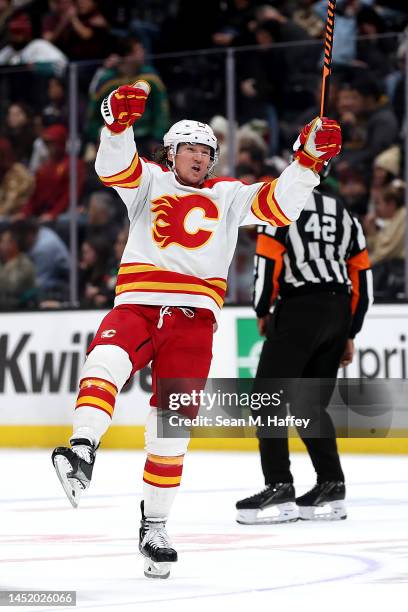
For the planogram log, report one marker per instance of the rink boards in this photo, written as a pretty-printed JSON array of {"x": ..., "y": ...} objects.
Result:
[{"x": 41, "y": 355}]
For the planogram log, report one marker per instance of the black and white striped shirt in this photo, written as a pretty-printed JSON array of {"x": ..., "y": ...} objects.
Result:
[{"x": 325, "y": 249}]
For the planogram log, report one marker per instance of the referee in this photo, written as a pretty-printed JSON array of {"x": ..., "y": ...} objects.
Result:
[{"x": 317, "y": 273}]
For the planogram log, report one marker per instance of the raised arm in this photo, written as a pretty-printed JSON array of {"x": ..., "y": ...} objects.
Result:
[
  {"x": 117, "y": 162},
  {"x": 281, "y": 201}
]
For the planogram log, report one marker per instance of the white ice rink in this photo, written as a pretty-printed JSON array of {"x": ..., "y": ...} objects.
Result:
[{"x": 357, "y": 564}]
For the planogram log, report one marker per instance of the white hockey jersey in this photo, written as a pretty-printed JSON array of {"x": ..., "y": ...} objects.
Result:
[{"x": 182, "y": 239}]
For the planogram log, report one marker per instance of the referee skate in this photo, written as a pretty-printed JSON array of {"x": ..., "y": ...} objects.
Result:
[
  {"x": 324, "y": 502},
  {"x": 274, "y": 504}
]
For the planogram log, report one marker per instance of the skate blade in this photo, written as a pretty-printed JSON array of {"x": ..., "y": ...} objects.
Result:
[
  {"x": 276, "y": 514},
  {"x": 332, "y": 511},
  {"x": 72, "y": 486},
  {"x": 154, "y": 570}
]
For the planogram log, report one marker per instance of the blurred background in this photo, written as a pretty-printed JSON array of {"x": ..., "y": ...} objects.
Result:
[{"x": 252, "y": 70}]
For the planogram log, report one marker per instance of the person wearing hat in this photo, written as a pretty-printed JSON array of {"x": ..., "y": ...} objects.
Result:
[
  {"x": 385, "y": 228},
  {"x": 51, "y": 194},
  {"x": 23, "y": 49},
  {"x": 386, "y": 168}
]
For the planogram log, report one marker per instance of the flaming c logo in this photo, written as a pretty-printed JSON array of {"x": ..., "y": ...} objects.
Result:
[{"x": 170, "y": 216}]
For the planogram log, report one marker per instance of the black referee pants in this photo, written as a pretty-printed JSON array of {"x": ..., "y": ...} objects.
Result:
[{"x": 306, "y": 338}]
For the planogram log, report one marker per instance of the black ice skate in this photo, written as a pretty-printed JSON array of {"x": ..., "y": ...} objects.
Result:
[
  {"x": 155, "y": 545},
  {"x": 324, "y": 501},
  {"x": 274, "y": 504},
  {"x": 74, "y": 467}
]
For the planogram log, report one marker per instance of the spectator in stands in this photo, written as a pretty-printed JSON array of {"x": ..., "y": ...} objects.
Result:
[
  {"x": 94, "y": 291},
  {"x": 252, "y": 157},
  {"x": 55, "y": 109},
  {"x": 396, "y": 84},
  {"x": 113, "y": 268},
  {"x": 269, "y": 75},
  {"x": 19, "y": 130},
  {"x": 120, "y": 244},
  {"x": 354, "y": 189},
  {"x": 232, "y": 28},
  {"x": 149, "y": 130},
  {"x": 385, "y": 229},
  {"x": 85, "y": 34},
  {"x": 39, "y": 155},
  {"x": 307, "y": 18},
  {"x": 370, "y": 125},
  {"x": 16, "y": 182},
  {"x": 17, "y": 273},
  {"x": 219, "y": 125},
  {"x": 373, "y": 51},
  {"x": 6, "y": 10},
  {"x": 50, "y": 257},
  {"x": 39, "y": 55},
  {"x": 51, "y": 194},
  {"x": 344, "y": 43},
  {"x": 292, "y": 124},
  {"x": 56, "y": 19},
  {"x": 100, "y": 221},
  {"x": 387, "y": 165},
  {"x": 253, "y": 134},
  {"x": 386, "y": 169}
]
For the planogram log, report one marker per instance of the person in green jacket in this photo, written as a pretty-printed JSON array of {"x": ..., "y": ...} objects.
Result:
[{"x": 117, "y": 71}]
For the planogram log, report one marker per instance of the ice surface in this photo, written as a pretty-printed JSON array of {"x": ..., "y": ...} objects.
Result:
[{"x": 360, "y": 563}]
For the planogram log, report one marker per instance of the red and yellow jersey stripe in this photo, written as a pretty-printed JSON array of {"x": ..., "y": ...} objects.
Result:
[
  {"x": 129, "y": 178},
  {"x": 145, "y": 277},
  {"x": 266, "y": 208}
]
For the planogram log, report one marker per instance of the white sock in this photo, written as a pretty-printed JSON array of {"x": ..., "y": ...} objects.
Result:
[
  {"x": 161, "y": 481},
  {"x": 158, "y": 501},
  {"x": 111, "y": 366}
]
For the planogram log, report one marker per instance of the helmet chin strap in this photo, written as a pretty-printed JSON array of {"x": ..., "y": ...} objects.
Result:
[{"x": 173, "y": 163}]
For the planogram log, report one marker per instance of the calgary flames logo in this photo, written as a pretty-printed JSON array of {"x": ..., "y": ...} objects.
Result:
[{"x": 171, "y": 214}]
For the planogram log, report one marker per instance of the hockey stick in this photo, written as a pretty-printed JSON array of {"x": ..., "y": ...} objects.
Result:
[{"x": 327, "y": 63}]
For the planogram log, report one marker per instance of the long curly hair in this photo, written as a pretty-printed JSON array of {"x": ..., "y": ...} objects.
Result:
[{"x": 160, "y": 156}]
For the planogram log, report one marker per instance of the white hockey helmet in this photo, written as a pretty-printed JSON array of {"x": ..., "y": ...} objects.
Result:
[{"x": 192, "y": 132}]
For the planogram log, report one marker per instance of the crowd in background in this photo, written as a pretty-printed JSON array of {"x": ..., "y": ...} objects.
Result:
[{"x": 277, "y": 92}]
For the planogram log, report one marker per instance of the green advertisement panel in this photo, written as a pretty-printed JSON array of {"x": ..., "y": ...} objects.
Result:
[{"x": 249, "y": 344}]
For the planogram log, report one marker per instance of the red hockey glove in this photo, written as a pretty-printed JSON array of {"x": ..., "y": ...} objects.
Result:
[
  {"x": 318, "y": 142},
  {"x": 124, "y": 106}
]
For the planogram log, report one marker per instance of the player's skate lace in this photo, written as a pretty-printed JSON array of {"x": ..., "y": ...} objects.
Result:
[
  {"x": 84, "y": 452},
  {"x": 259, "y": 494},
  {"x": 156, "y": 536},
  {"x": 164, "y": 310}
]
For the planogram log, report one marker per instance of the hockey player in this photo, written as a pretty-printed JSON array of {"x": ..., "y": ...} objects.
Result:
[{"x": 171, "y": 285}]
